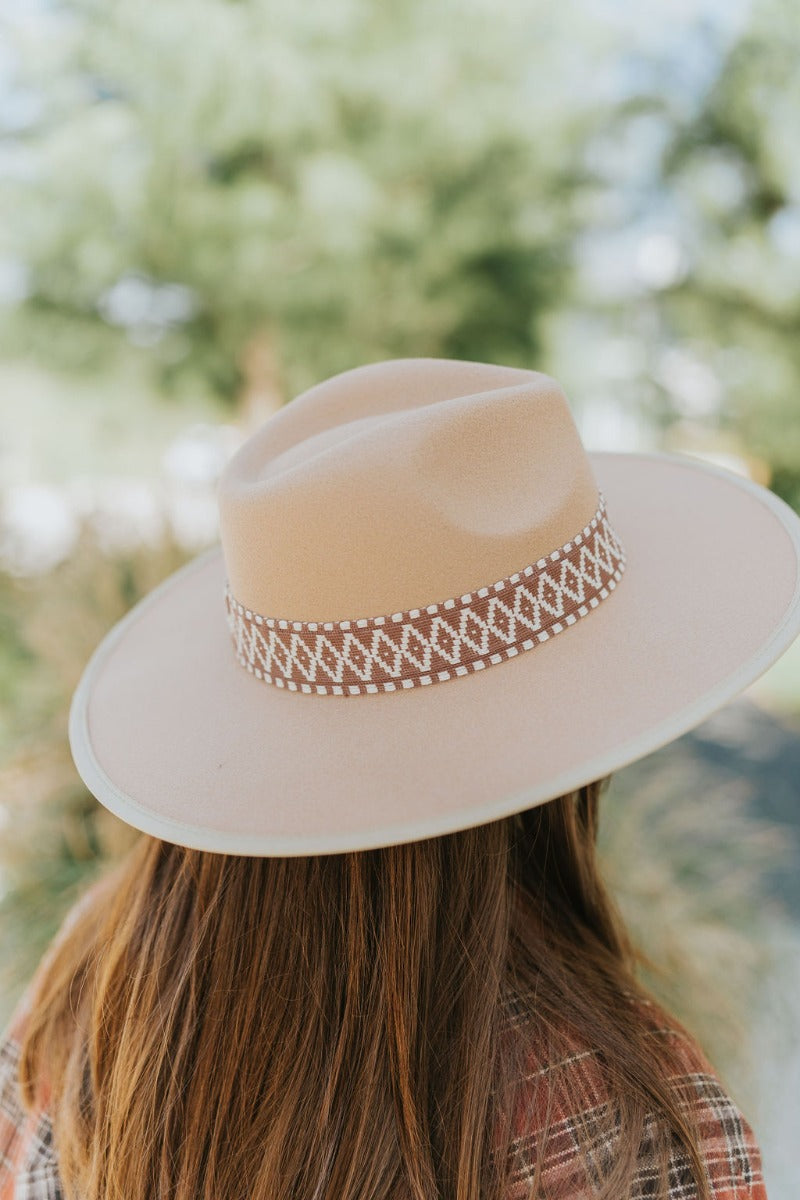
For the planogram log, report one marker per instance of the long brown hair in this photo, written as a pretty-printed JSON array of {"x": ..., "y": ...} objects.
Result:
[{"x": 352, "y": 1026}]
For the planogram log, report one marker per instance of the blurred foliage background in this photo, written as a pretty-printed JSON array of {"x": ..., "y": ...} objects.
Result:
[{"x": 206, "y": 207}]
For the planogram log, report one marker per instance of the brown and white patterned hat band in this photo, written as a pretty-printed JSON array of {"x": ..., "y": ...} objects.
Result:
[{"x": 441, "y": 641}]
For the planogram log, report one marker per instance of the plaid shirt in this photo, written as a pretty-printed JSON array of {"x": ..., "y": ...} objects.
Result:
[{"x": 29, "y": 1166}]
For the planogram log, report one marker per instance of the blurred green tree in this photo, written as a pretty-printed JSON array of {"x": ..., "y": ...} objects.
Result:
[
  {"x": 260, "y": 195},
  {"x": 687, "y": 288},
  {"x": 736, "y": 166}
]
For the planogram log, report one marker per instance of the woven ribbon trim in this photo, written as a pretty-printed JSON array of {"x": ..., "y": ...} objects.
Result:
[{"x": 439, "y": 642}]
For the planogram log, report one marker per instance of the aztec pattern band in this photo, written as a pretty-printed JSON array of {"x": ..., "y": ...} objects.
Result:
[{"x": 441, "y": 641}]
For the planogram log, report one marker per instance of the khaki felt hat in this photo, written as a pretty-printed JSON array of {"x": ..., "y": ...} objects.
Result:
[{"x": 430, "y": 607}]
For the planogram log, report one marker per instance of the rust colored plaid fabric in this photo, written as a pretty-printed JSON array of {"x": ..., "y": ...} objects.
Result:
[
  {"x": 574, "y": 1091},
  {"x": 29, "y": 1166}
]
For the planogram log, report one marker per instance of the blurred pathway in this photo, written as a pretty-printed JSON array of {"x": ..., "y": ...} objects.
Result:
[
  {"x": 776, "y": 1051},
  {"x": 746, "y": 743}
]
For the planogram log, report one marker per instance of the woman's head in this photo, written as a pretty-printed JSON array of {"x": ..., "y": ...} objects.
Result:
[{"x": 354, "y": 1025}]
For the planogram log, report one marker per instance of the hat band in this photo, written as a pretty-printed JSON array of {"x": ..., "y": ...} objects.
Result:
[{"x": 442, "y": 641}]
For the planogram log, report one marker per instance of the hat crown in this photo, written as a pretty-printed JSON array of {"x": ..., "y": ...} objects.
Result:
[{"x": 401, "y": 484}]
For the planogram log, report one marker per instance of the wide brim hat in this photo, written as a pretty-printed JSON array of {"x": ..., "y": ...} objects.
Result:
[{"x": 431, "y": 607}]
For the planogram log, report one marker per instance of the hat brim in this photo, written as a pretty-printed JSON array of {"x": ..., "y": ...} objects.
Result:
[{"x": 175, "y": 737}]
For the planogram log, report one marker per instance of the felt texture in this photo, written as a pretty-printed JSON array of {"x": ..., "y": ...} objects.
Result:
[
  {"x": 386, "y": 511},
  {"x": 400, "y": 484}
]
